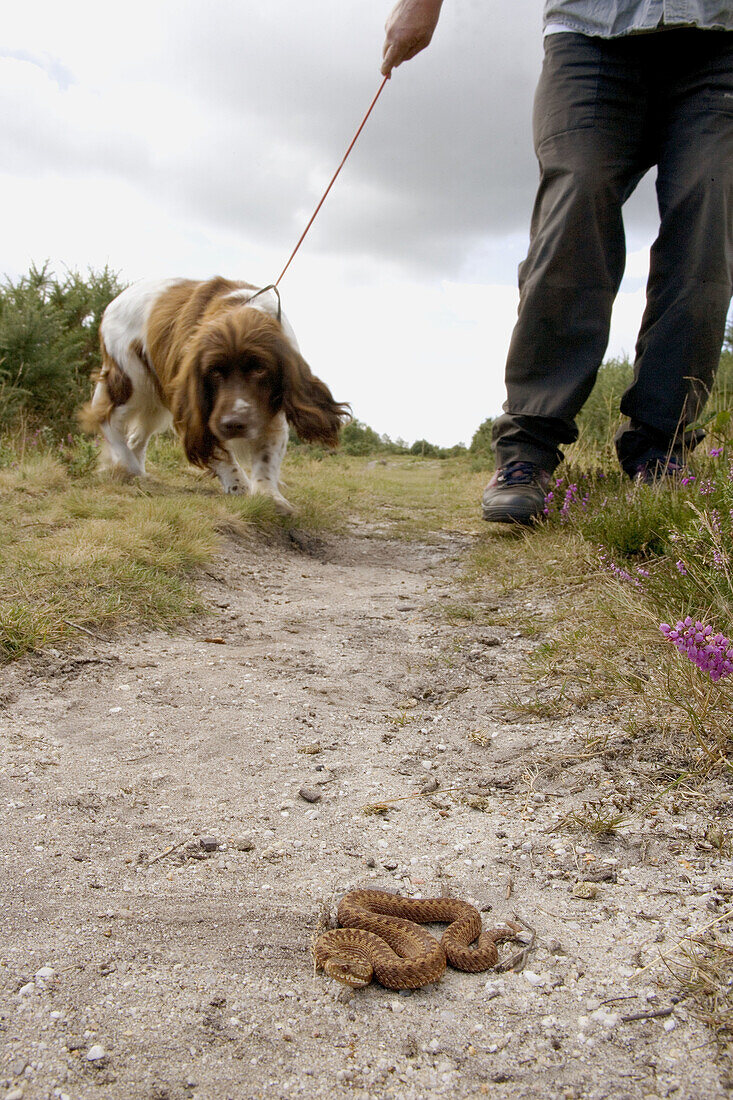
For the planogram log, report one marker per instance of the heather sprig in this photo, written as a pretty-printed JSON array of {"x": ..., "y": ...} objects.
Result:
[{"x": 712, "y": 653}]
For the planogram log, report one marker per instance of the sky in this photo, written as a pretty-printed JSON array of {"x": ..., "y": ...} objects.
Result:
[{"x": 189, "y": 139}]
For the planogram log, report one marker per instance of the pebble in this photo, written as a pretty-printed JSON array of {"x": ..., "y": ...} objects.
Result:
[
  {"x": 14, "y": 1094},
  {"x": 607, "y": 1019},
  {"x": 209, "y": 843},
  {"x": 309, "y": 795},
  {"x": 29, "y": 987},
  {"x": 45, "y": 973},
  {"x": 95, "y": 1053},
  {"x": 275, "y": 852}
]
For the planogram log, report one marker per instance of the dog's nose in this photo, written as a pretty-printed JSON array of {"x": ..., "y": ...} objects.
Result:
[{"x": 234, "y": 423}]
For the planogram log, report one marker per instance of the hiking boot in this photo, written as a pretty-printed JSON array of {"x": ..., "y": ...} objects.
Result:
[
  {"x": 655, "y": 466},
  {"x": 516, "y": 494}
]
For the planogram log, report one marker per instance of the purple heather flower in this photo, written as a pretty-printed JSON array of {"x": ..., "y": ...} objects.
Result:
[
  {"x": 681, "y": 568},
  {"x": 706, "y": 487},
  {"x": 712, "y": 653},
  {"x": 571, "y": 494},
  {"x": 617, "y": 571},
  {"x": 714, "y": 452},
  {"x": 687, "y": 480}
]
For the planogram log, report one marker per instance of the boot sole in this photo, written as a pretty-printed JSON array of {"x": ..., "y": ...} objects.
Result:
[{"x": 496, "y": 516}]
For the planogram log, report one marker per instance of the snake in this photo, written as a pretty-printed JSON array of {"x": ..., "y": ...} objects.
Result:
[{"x": 381, "y": 937}]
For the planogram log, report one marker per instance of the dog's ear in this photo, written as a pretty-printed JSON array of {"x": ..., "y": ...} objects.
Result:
[
  {"x": 192, "y": 405},
  {"x": 308, "y": 403}
]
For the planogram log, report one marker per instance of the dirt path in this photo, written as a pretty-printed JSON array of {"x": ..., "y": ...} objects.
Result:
[{"x": 188, "y": 974}]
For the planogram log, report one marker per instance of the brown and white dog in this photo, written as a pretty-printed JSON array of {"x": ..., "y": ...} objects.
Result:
[{"x": 223, "y": 370}]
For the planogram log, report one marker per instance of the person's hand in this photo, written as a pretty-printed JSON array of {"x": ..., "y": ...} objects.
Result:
[{"x": 409, "y": 30}]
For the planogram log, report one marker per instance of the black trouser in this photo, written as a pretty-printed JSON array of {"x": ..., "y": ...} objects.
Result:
[{"x": 605, "y": 112}]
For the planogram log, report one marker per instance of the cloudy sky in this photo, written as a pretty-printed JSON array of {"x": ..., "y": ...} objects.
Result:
[{"x": 182, "y": 138}]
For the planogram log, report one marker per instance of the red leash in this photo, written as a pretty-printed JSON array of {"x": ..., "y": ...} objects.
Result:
[{"x": 333, "y": 180}]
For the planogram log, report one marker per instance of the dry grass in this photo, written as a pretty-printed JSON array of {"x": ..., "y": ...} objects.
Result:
[{"x": 83, "y": 553}]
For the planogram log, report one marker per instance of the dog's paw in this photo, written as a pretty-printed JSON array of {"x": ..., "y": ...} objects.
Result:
[
  {"x": 238, "y": 488},
  {"x": 283, "y": 506}
]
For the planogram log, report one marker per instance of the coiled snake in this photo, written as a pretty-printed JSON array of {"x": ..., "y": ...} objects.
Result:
[{"x": 381, "y": 937}]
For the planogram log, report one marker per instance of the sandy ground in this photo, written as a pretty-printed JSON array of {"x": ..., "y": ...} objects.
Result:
[{"x": 327, "y": 679}]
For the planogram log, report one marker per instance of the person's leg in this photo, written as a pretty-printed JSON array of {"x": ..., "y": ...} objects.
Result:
[
  {"x": 689, "y": 288},
  {"x": 590, "y": 119}
]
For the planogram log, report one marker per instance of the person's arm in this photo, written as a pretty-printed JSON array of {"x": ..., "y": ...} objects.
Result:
[{"x": 409, "y": 30}]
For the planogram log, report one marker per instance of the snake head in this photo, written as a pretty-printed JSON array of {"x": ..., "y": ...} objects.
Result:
[{"x": 351, "y": 971}]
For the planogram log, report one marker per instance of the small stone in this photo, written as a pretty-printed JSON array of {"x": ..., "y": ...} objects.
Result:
[
  {"x": 244, "y": 844},
  {"x": 29, "y": 987},
  {"x": 45, "y": 973},
  {"x": 209, "y": 843},
  {"x": 585, "y": 891},
  {"x": 478, "y": 802},
  {"x": 311, "y": 749},
  {"x": 607, "y": 1019},
  {"x": 309, "y": 795},
  {"x": 14, "y": 1094},
  {"x": 389, "y": 864},
  {"x": 96, "y": 1053}
]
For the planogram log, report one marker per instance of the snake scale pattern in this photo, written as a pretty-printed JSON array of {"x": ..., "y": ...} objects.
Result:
[{"x": 381, "y": 937}]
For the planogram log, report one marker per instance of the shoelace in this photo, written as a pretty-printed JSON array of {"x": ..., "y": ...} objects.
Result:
[{"x": 518, "y": 473}]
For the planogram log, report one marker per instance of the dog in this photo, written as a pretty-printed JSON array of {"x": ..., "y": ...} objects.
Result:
[{"x": 216, "y": 360}]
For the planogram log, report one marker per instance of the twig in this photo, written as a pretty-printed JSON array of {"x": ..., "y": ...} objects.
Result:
[
  {"x": 417, "y": 794},
  {"x": 84, "y": 630},
  {"x": 655, "y": 1015},
  {"x": 518, "y": 962},
  {"x": 167, "y": 852}
]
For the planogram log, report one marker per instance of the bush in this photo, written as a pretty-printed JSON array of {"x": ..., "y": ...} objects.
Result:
[
  {"x": 49, "y": 345},
  {"x": 481, "y": 441},
  {"x": 424, "y": 449},
  {"x": 359, "y": 439}
]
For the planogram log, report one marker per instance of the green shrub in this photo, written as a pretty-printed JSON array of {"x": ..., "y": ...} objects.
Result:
[
  {"x": 481, "y": 440},
  {"x": 49, "y": 345}
]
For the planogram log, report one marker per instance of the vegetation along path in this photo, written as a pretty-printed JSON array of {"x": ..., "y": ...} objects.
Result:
[{"x": 181, "y": 812}]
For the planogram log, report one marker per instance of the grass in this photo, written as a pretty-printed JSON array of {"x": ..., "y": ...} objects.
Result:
[
  {"x": 612, "y": 562},
  {"x": 78, "y": 553},
  {"x": 81, "y": 553}
]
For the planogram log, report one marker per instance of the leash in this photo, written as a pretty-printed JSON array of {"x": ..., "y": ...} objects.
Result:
[{"x": 274, "y": 286}]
